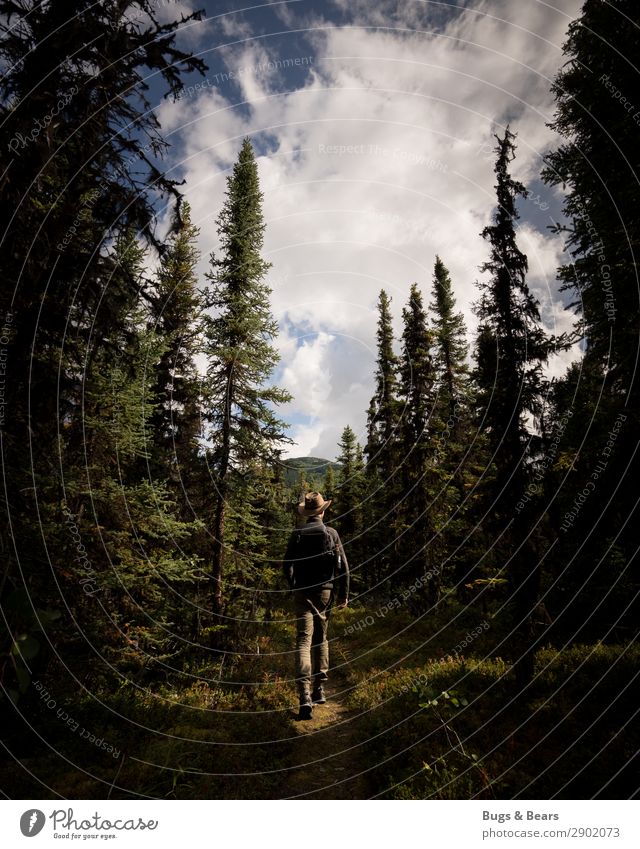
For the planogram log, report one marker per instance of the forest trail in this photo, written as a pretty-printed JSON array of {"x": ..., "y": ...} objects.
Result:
[{"x": 327, "y": 752}]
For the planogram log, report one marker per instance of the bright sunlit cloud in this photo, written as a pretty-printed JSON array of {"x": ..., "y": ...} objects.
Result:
[{"x": 377, "y": 158}]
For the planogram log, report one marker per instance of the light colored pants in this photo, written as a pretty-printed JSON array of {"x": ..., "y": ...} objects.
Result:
[{"x": 312, "y": 647}]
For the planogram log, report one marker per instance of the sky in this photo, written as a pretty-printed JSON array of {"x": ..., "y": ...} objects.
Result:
[{"x": 374, "y": 128}]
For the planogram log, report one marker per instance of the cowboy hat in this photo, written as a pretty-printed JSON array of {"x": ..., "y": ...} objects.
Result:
[{"x": 313, "y": 504}]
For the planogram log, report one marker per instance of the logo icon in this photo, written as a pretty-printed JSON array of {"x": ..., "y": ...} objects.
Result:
[{"x": 32, "y": 822}]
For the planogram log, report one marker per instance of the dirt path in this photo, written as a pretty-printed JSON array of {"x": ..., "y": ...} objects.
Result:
[{"x": 327, "y": 755}]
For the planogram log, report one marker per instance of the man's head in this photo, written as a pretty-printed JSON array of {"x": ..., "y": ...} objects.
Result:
[{"x": 313, "y": 505}]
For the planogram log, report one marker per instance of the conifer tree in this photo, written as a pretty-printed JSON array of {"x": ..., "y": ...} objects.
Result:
[
  {"x": 419, "y": 507},
  {"x": 347, "y": 509},
  {"x": 74, "y": 117},
  {"x": 597, "y": 162},
  {"x": 82, "y": 147},
  {"x": 302, "y": 486},
  {"x": 384, "y": 410},
  {"x": 381, "y": 449},
  {"x": 177, "y": 307},
  {"x": 270, "y": 501},
  {"x": 512, "y": 348},
  {"x": 143, "y": 560},
  {"x": 243, "y": 427},
  {"x": 459, "y": 446},
  {"x": 349, "y": 487},
  {"x": 329, "y": 483},
  {"x": 450, "y": 342}
]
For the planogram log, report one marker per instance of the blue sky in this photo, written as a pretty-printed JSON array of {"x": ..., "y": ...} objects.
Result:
[{"x": 373, "y": 124}]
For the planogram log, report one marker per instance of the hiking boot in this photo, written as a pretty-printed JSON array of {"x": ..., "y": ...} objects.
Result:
[
  {"x": 306, "y": 707},
  {"x": 318, "y": 697}
]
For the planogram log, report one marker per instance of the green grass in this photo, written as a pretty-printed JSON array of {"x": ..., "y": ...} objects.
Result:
[
  {"x": 563, "y": 736},
  {"x": 566, "y": 736}
]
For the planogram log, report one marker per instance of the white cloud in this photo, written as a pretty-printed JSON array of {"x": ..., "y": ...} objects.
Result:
[
  {"x": 378, "y": 162},
  {"x": 306, "y": 374}
]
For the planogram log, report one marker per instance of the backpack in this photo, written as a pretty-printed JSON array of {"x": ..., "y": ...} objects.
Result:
[{"x": 315, "y": 559}]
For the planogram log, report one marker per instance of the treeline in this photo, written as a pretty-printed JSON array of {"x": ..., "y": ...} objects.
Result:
[
  {"x": 450, "y": 451},
  {"x": 496, "y": 484},
  {"x": 145, "y": 504}
]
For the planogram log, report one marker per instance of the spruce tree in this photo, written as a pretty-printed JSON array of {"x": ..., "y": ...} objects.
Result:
[
  {"x": 176, "y": 310},
  {"x": 450, "y": 342},
  {"x": 597, "y": 163},
  {"x": 458, "y": 445},
  {"x": 418, "y": 509},
  {"x": 242, "y": 425},
  {"x": 349, "y": 487},
  {"x": 347, "y": 509},
  {"x": 143, "y": 560},
  {"x": 381, "y": 450},
  {"x": 512, "y": 348},
  {"x": 83, "y": 149},
  {"x": 384, "y": 410},
  {"x": 302, "y": 486},
  {"x": 329, "y": 483},
  {"x": 74, "y": 116}
]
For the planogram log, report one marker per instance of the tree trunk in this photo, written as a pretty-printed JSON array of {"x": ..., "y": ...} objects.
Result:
[
  {"x": 218, "y": 527},
  {"x": 216, "y": 566}
]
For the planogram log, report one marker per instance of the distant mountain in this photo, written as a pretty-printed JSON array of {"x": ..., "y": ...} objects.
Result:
[{"x": 314, "y": 468}]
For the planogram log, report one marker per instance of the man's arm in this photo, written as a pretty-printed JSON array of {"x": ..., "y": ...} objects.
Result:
[
  {"x": 288, "y": 561},
  {"x": 342, "y": 592}
]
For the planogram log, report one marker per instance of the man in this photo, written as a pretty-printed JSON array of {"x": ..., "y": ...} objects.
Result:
[{"x": 316, "y": 568}]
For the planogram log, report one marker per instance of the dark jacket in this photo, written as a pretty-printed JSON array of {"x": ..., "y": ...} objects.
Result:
[{"x": 341, "y": 576}]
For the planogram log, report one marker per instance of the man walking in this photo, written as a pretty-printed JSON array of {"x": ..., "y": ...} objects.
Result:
[{"x": 316, "y": 569}]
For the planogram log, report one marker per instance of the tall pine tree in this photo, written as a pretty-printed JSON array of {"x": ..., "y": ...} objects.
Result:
[
  {"x": 381, "y": 450},
  {"x": 83, "y": 147},
  {"x": 512, "y": 348},
  {"x": 418, "y": 508},
  {"x": 239, "y": 332},
  {"x": 347, "y": 507},
  {"x": 450, "y": 343},
  {"x": 459, "y": 445},
  {"x": 177, "y": 311},
  {"x": 597, "y": 163}
]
